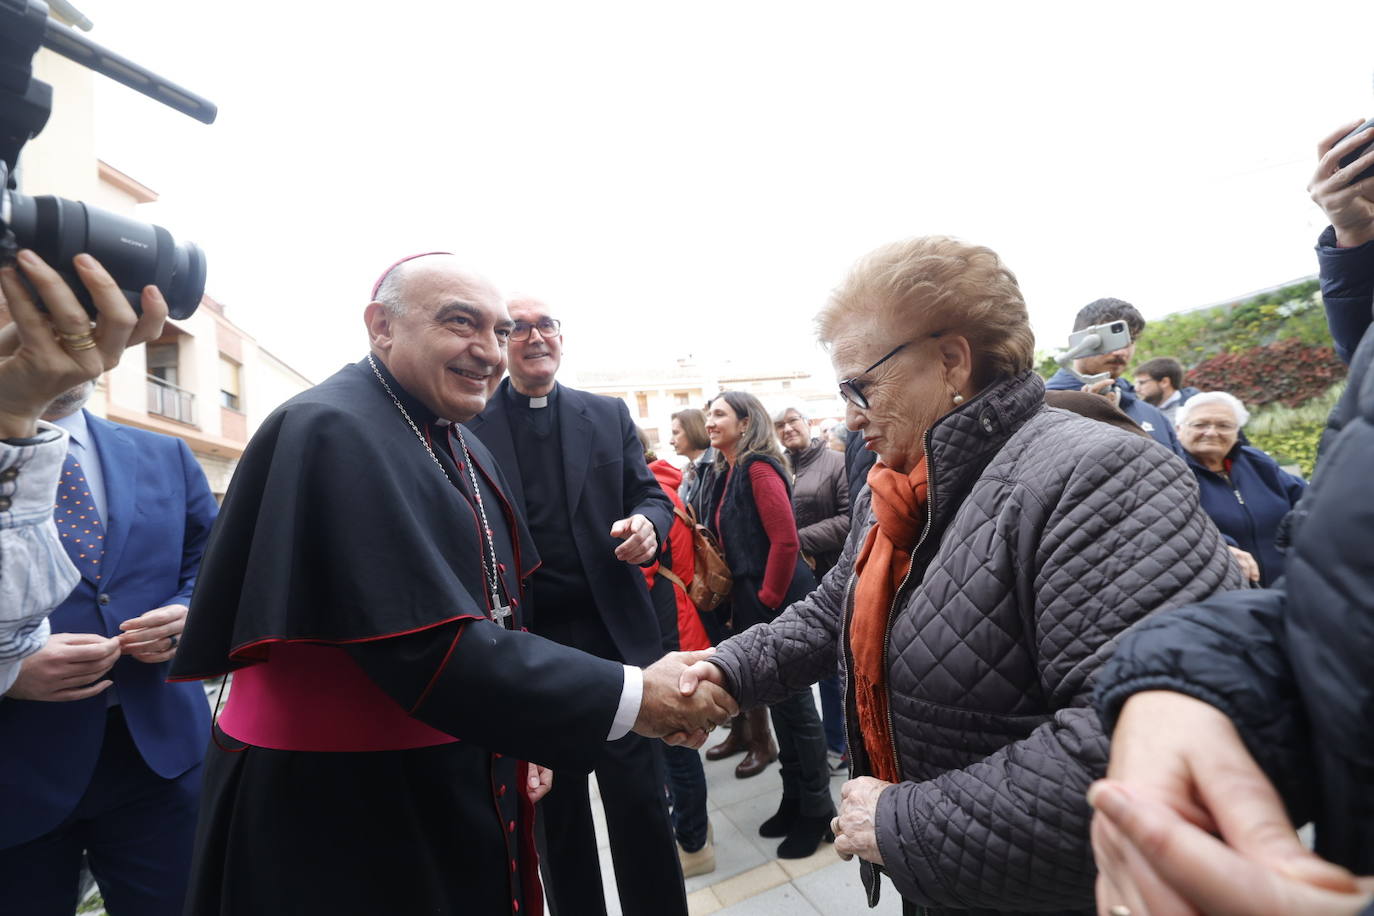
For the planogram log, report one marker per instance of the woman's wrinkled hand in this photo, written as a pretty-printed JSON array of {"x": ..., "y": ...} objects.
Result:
[
  {"x": 1248, "y": 567},
  {"x": 855, "y": 827}
]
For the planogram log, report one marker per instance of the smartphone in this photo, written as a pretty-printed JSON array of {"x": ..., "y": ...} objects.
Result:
[{"x": 1111, "y": 336}]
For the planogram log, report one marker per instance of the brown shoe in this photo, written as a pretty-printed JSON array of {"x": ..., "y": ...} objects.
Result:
[
  {"x": 763, "y": 750},
  {"x": 736, "y": 742}
]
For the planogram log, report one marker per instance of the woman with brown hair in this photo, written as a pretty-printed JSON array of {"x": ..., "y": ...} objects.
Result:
[{"x": 751, "y": 514}]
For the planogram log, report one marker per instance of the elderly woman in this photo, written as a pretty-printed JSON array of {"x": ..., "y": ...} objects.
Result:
[
  {"x": 751, "y": 514},
  {"x": 1000, "y": 550},
  {"x": 1245, "y": 491}
]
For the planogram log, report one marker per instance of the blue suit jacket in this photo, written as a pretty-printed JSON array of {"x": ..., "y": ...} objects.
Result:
[
  {"x": 159, "y": 510},
  {"x": 607, "y": 479}
]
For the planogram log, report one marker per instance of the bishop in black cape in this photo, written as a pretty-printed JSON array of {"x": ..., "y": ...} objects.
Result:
[{"x": 343, "y": 549}]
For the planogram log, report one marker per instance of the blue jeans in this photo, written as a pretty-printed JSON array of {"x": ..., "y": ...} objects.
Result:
[
  {"x": 832, "y": 713},
  {"x": 687, "y": 780}
]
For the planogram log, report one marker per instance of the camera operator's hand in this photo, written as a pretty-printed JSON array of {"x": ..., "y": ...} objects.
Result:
[
  {"x": 1107, "y": 388},
  {"x": 1350, "y": 207},
  {"x": 42, "y": 356}
]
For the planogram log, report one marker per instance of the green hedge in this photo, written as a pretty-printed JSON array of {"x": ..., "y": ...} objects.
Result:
[{"x": 1295, "y": 445}]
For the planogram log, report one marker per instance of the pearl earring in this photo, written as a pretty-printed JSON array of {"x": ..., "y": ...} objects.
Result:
[{"x": 958, "y": 398}]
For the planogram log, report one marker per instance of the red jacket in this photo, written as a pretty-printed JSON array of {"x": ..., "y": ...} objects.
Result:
[{"x": 691, "y": 633}]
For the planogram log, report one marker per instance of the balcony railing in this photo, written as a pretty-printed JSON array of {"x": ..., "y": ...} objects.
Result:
[{"x": 167, "y": 400}]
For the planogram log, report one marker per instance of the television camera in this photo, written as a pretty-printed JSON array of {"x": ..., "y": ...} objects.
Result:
[{"x": 57, "y": 229}]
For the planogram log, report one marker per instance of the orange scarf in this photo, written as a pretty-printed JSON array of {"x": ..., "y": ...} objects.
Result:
[{"x": 899, "y": 508}]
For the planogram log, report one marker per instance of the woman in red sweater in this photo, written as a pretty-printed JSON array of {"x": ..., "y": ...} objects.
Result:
[{"x": 751, "y": 514}]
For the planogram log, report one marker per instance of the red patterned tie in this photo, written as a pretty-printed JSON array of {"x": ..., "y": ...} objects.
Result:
[{"x": 78, "y": 522}]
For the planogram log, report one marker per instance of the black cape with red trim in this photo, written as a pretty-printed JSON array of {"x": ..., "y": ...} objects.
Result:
[{"x": 338, "y": 529}]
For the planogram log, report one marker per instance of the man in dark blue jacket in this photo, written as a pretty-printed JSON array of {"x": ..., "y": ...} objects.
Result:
[
  {"x": 113, "y": 770},
  {"x": 1288, "y": 671},
  {"x": 1160, "y": 382},
  {"x": 1116, "y": 389}
]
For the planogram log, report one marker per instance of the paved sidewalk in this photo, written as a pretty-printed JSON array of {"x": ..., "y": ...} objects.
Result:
[{"x": 749, "y": 879}]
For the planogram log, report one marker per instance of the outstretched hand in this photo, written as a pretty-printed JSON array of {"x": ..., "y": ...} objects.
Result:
[
  {"x": 667, "y": 710},
  {"x": 1183, "y": 869},
  {"x": 1183, "y": 755}
]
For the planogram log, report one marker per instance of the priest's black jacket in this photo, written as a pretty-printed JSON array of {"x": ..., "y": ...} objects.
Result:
[
  {"x": 606, "y": 479},
  {"x": 341, "y": 536}
]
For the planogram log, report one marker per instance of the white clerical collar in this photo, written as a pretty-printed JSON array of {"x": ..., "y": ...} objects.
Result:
[{"x": 540, "y": 402}]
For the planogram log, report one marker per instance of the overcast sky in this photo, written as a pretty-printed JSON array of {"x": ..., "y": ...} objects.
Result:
[{"x": 695, "y": 178}]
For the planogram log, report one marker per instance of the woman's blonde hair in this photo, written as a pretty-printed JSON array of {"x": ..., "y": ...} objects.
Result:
[
  {"x": 758, "y": 437},
  {"x": 938, "y": 285}
]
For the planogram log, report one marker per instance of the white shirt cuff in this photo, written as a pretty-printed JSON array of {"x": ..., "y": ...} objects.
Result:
[{"x": 631, "y": 695}]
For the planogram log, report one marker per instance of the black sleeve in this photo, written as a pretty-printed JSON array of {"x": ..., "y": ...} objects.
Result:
[
  {"x": 511, "y": 692},
  {"x": 1227, "y": 651},
  {"x": 1347, "y": 278},
  {"x": 664, "y": 597}
]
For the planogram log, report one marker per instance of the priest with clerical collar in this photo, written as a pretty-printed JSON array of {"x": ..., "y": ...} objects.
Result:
[
  {"x": 390, "y": 723},
  {"x": 595, "y": 512}
]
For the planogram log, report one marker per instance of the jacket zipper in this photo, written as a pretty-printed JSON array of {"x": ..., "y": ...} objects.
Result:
[
  {"x": 847, "y": 654},
  {"x": 896, "y": 596}
]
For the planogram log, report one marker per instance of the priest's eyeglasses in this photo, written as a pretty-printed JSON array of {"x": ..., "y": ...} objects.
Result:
[
  {"x": 852, "y": 389},
  {"x": 547, "y": 327}
]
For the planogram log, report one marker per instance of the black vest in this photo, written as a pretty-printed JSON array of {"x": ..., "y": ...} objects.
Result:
[{"x": 740, "y": 528}]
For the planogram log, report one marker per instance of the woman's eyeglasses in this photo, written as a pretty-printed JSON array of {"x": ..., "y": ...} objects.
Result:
[{"x": 852, "y": 390}]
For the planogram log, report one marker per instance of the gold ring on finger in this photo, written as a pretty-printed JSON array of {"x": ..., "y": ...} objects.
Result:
[{"x": 82, "y": 341}]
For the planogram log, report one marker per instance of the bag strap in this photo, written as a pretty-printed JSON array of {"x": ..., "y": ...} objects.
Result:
[{"x": 672, "y": 577}]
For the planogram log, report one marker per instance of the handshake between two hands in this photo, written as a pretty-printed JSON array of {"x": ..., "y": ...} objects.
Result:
[{"x": 684, "y": 698}]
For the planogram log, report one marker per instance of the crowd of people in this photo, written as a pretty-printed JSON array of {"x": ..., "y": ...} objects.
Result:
[{"x": 1079, "y": 647}]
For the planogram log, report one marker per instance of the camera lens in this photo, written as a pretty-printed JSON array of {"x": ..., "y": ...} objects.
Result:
[
  {"x": 1118, "y": 327},
  {"x": 135, "y": 254}
]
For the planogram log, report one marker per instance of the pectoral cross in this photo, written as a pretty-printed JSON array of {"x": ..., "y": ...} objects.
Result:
[{"x": 500, "y": 614}]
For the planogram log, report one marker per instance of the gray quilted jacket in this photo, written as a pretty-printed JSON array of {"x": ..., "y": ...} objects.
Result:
[{"x": 1048, "y": 534}]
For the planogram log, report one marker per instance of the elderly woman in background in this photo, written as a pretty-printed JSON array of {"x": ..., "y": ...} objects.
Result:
[
  {"x": 820, "y": 501},
  {"x": 1000, "y": 549},
  {"x": 1245, "y": 491},
  {"x": 751, "y": 515}
]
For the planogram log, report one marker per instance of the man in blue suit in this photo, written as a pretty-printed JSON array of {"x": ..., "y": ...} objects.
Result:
[
  {"x": 578, "y": 475},
  {"x": 100, "y": 753}
]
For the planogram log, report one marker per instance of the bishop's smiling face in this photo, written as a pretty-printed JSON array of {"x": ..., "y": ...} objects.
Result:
[
  {"x": 448, "y": 347},
  {"x": 534, "y": 361}
]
